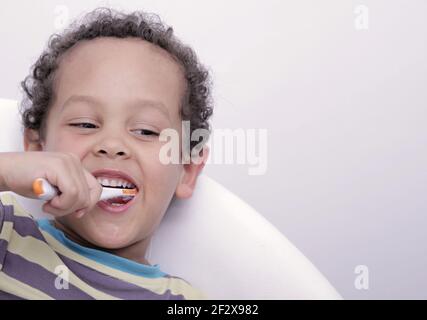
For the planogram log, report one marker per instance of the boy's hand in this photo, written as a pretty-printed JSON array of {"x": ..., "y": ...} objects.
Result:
[{"x": 80, "y": 191}]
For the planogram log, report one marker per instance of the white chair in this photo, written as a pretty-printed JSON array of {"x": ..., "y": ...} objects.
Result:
[{"x": 214, "y": 240}]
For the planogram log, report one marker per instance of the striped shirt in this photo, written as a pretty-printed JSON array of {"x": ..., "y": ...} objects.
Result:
[{"x": 37, "y": 261}]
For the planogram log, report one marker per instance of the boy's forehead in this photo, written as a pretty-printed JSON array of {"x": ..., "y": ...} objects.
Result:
[
  {"x": 111, "y": 46},
  {"x": 113, "y": 66}
]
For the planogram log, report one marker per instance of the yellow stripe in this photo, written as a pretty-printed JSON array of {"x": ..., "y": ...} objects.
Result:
[
  {"x": 20, "y": 289},
  {"x": 9, "y": 200},
  {"x": 156, "y": 285},
  {"x": 41, "y": 254},
  {"x": 6, "y": 231}
]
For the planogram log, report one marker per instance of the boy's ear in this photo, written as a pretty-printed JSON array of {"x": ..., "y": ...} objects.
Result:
[
  {"x": 32, "y": 140},
  {"x": 189, "y": 175}
]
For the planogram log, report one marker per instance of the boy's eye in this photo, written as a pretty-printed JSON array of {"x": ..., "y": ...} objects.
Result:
[
  {"x": 87, "y": 125},
  {"x": 146, "y": 132},
  {"x": 84, "y": 125}
]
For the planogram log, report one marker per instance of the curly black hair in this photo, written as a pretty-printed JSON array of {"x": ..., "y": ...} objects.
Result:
[{"x": 196, "y": 106}]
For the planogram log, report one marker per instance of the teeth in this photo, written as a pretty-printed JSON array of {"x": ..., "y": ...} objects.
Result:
[{"x": 108, "y": 182}]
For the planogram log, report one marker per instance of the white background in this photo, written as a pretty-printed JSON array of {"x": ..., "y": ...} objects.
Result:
[{"x": 345, "y": 111}]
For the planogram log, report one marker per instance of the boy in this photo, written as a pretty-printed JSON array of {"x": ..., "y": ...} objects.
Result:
[{"x": 97, "y": 101}]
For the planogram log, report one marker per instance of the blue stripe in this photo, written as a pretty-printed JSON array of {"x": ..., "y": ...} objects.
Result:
[{"x": 102, "y": 257}]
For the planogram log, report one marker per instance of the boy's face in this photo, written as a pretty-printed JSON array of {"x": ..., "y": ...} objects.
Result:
[{"x": 122, "y": 87}]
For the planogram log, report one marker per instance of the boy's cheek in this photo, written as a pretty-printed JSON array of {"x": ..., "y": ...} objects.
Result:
[
  {"x": 64, "y": 142},
  {"x": 164, "y": 177},
  {"x": 160, "y": 185}
]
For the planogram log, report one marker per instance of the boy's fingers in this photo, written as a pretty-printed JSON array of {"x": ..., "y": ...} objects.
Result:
[
  {"x": 73, "y": 185},
  {"x": 78, "y": 200},
  {"x": 69, "y": 198},
  {"x": 94, "y": 194},
  {"x": 85, "y": 187},
  {"x": 59, "y": 213},
  {"x": 82, "y": 198},
  {"x": 64, "y": 202},
  {"x": 95, "y": 189},
  {"x": 48, "y": 208}
]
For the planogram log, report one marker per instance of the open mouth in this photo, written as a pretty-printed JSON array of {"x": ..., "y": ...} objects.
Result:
[{"x": 118, "y": 184}]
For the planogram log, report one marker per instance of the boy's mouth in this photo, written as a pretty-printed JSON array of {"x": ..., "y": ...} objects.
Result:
[
  {"x": 118, "y": 184},
  {"x": 115, "y": 179}
]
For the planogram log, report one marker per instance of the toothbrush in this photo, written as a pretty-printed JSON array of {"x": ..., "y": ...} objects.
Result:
[{"x": 45, "y": 191}]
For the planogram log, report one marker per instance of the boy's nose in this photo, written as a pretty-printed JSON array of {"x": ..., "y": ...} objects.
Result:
[
  {"x": 119, "y": 153},
  {"x": 113, "y": 151}
]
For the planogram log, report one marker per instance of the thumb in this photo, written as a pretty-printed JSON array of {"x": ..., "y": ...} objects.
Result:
[{"x": 95, "y": 188}]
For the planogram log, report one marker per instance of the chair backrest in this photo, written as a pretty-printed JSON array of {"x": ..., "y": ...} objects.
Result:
[{"x": 214, "y": 240}]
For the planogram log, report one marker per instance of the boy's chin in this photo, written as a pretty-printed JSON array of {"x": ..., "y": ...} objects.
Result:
[
  {"x": 110, "y": 239},
  {"x": 106, "y": 235},
  {"x": 103, "y": 242}
]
